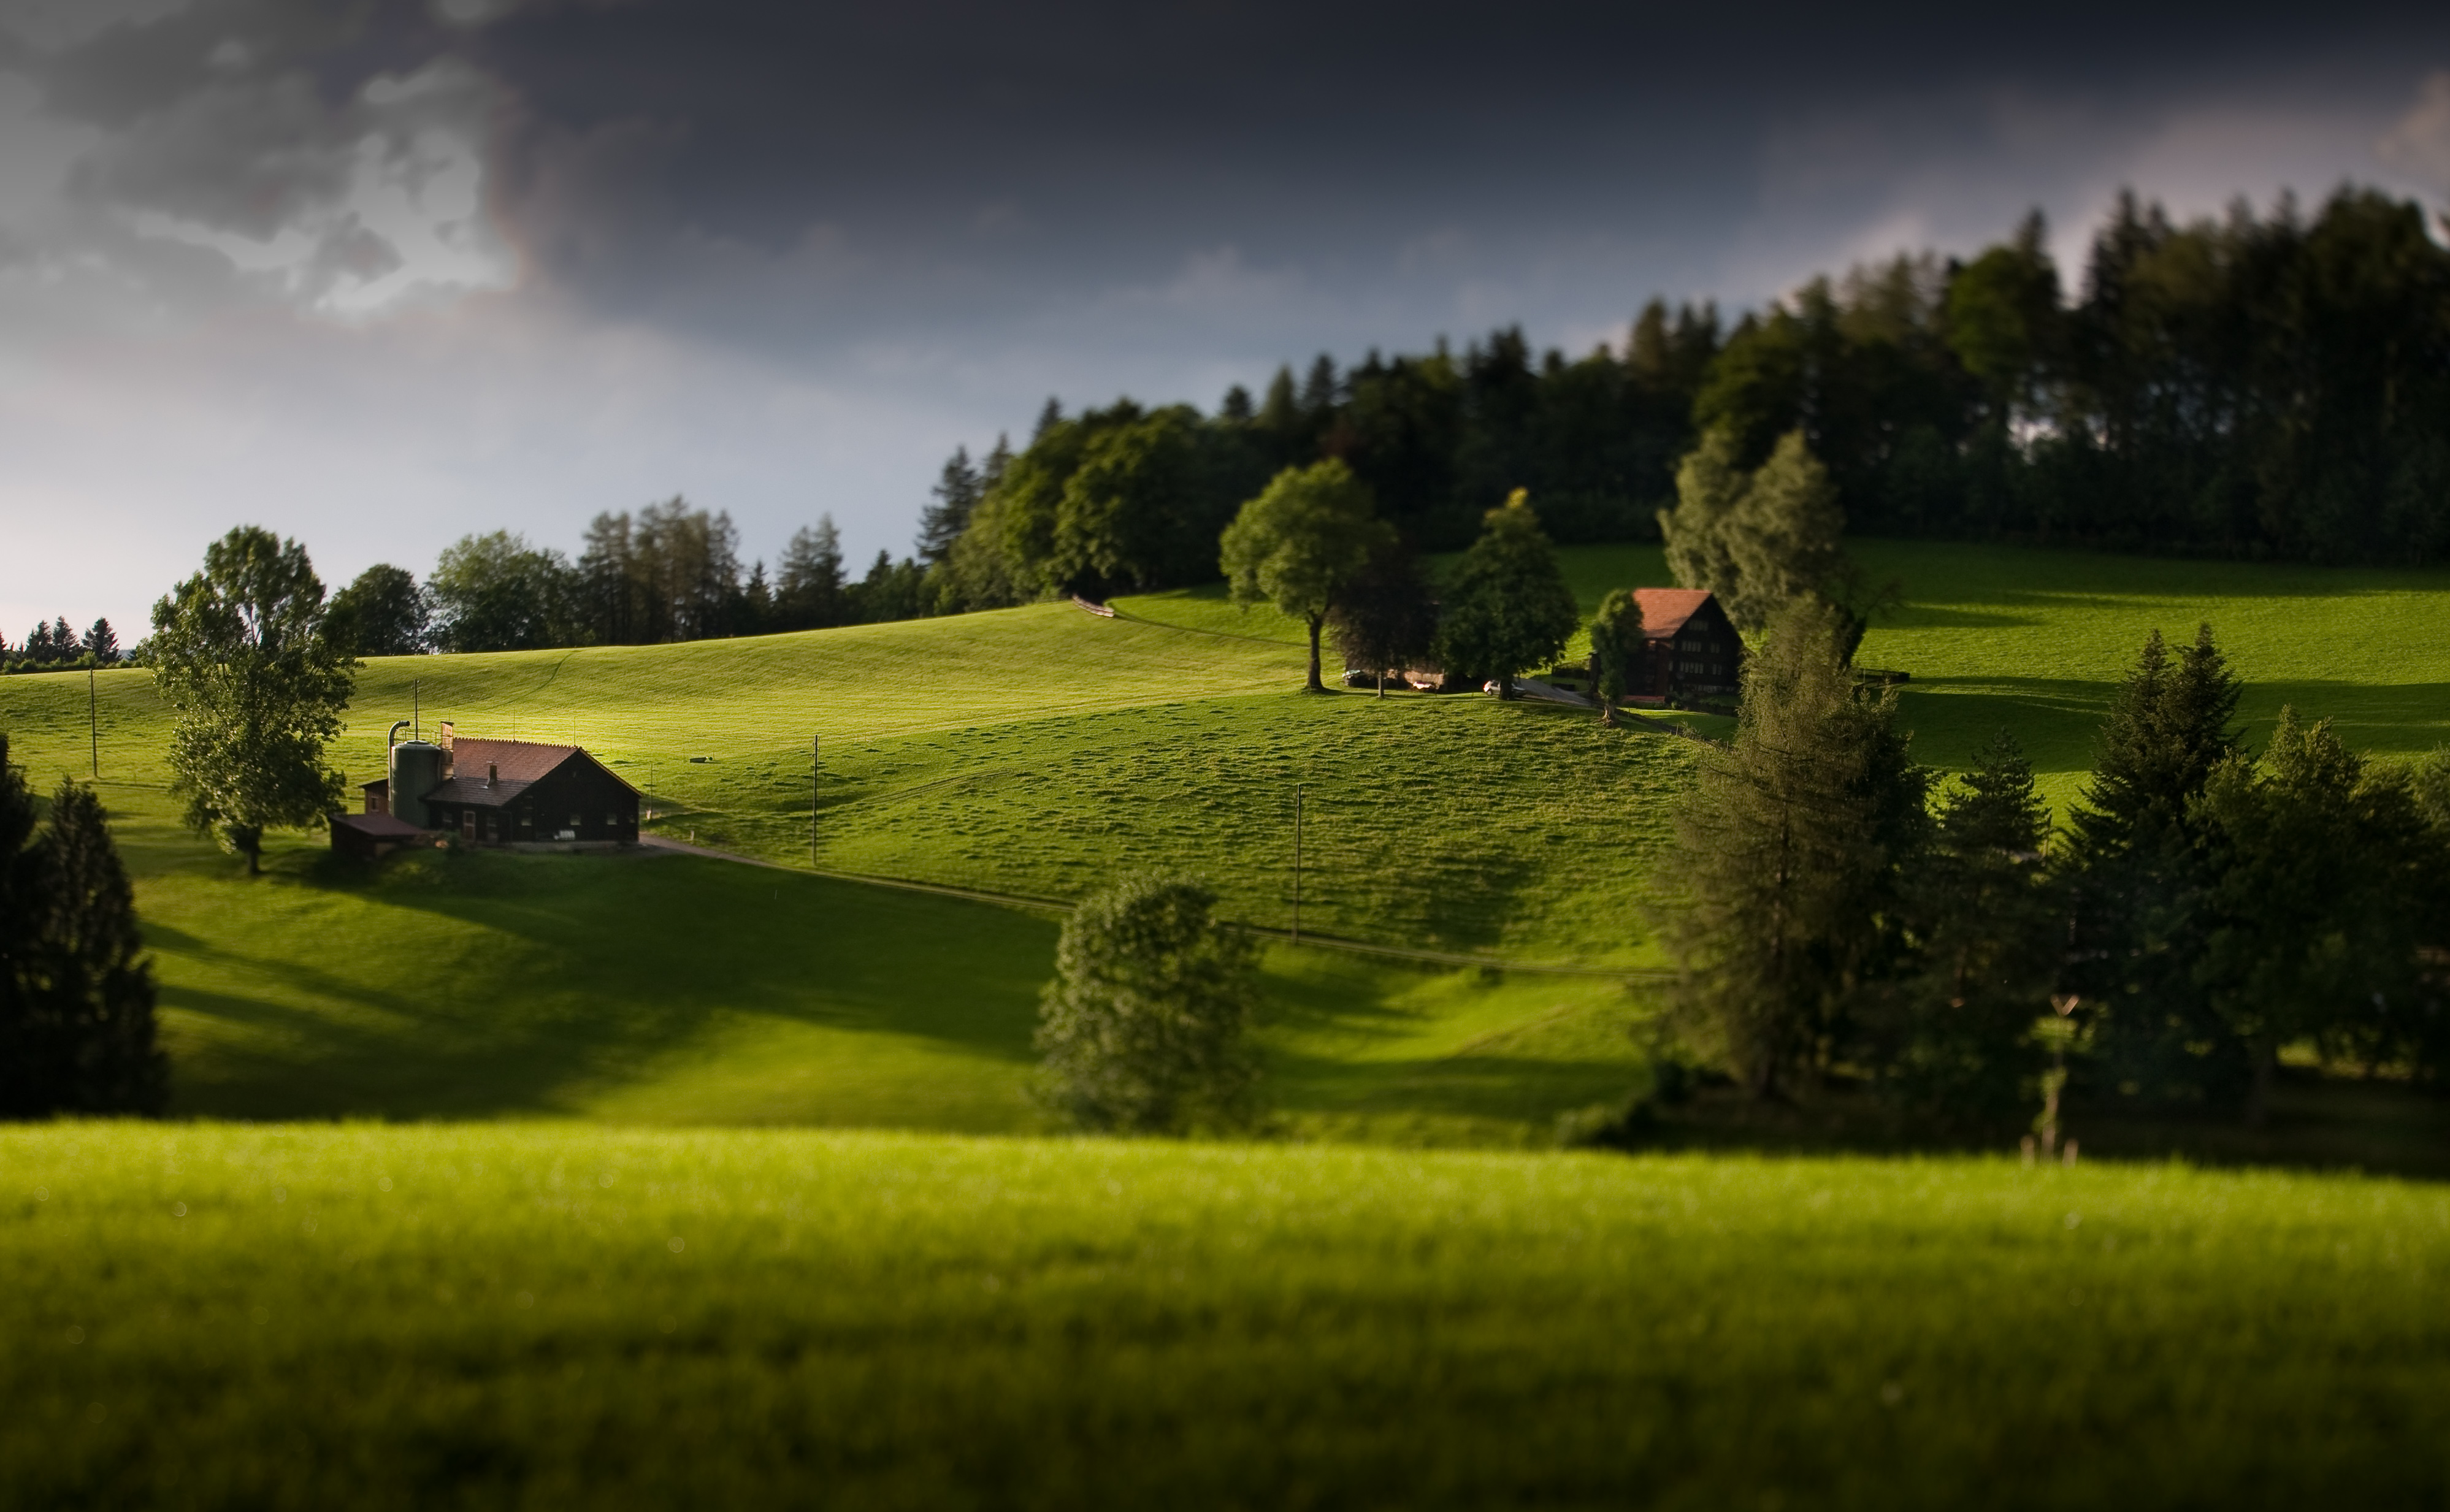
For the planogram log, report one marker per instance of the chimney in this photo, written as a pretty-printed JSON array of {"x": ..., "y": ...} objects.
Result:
[{"x": 493, "y": 769}]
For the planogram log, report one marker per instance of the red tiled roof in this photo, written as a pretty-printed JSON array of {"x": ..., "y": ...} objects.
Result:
[
  {"x": 518, "y": 765},
  {"x": 1665, "y": 609}
]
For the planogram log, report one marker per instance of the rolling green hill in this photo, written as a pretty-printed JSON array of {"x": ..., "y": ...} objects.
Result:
[
  {"x": 312, "y": 1316},
  {"x": 1031, "y": 751}
]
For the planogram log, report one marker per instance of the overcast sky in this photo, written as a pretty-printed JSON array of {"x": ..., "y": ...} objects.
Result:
[{"x": 378, "y": 274}]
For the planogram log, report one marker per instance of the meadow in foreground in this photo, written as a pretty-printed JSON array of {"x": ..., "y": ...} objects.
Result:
[{"x": 309, "y": 1316}]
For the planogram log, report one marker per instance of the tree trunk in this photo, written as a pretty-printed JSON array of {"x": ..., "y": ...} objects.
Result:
[
  {"x": 1382, "y": 682},
  {"x": 1317, "y": 621},
  {"x": 2258, "y": 1090}
]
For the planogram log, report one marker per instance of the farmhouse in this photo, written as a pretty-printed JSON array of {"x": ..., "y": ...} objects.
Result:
[
  {"x": 1694, "y": 652},
  {"x": 489, "y": 792}
]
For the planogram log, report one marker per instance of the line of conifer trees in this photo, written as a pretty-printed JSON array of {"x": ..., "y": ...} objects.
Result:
[
  {"x": 2263, "y": 386},
  {"x": 2206, "y": 907},
  {"x": 57, "y": 647}
]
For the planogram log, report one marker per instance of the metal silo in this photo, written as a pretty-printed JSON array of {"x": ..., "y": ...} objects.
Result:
[{"x": 414, "y": 770}]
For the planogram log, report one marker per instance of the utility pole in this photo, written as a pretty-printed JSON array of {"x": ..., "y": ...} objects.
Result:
[
  {"x": 92, "y": 723},
  {"x": 815, "y": 769},
  {"x": 1298, "y": 829},
  {"x": 415, "y": 725}
]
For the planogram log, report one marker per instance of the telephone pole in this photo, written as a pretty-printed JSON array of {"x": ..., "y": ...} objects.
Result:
[
  {"x": 815, "y": 770},
  {"x": 1298, "y": 829},
  {"x": 92, "y": 723}
]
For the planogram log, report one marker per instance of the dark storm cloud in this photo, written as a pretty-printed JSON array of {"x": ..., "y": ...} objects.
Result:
[{"x": 505, "y": 263}]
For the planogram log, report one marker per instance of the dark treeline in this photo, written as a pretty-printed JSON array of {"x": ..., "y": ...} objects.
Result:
[
  {"x": 670, "y": 572},
  {"x": 58, "y": 647},
  {"x": 2259, "y": 386}
]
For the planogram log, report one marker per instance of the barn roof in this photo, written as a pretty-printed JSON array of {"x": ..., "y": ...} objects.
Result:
[
  {"x": 519, "y": 766},
  {"x": 1665, "y": 609},
  {"x": 381, "y": 826}
]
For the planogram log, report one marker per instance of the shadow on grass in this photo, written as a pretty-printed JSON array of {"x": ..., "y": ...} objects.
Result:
[
  {"x": 566, "y": 971},
  {"x": 2318, "y": 1123}
]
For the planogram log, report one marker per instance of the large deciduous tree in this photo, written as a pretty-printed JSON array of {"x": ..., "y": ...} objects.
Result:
[
  {"x": 1507, "y": 605},
  {"x": 240, "y": 650},
  {"x": 1792, "y": 856},
  {"x": 384, "y": 614},
  {"x": 1387, "y": 617},
  {"x": 1302, "y": 545},
  {"x": 497, "y": 592},
  {"x": 76, "y": 993},
  {"x": 1143, "y": 1027}
]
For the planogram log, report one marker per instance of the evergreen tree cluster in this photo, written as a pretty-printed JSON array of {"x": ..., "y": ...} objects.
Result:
[
  {"x": 57, "y": 647},
  {"x": 2206, "y": 907},
  {"x": 2265, "y": 386},
  {"x": 76, "y": 991}
]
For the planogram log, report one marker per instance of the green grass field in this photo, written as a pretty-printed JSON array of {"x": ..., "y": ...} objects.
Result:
[
  {"x": 312, "y": 1316},
  {"x": 1031, "y": 752}
]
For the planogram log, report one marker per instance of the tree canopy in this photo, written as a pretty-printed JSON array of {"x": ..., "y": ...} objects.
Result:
[
  {"x": 1143, "y": 1027},
  {"x": 240, "y": 649},
  {"x": 1303, "y": 544},
  {"x": 1508, "y": 605}
]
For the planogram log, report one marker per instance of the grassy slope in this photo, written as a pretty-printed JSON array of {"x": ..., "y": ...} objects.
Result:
[
  {"x": 316, "y": 1316},
  {"x": 1031, "y": 751},
  {"x": 2035, "y": 641}
]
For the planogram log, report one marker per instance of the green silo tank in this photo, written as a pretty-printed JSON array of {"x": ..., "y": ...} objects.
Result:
[{"x": 414, "y": 770}]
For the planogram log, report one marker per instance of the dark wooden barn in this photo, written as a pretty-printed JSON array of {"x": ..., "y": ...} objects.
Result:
[
  {"x": 1695, "y": 654},
  {"x": 502, "y": 792}
]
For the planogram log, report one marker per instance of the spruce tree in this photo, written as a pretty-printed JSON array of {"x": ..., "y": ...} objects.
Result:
[
  {"x": 2321, "y": 866},
  {"x": 1792, "y": 855},
  {"x": 76, "y": 995},
  {"x": 956, "y": 495},
  {"x": 1953, "y": 1044},
  {"x": 2140, "y": 875}
]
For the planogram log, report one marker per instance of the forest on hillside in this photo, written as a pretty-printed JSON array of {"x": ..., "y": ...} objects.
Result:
[{"x": 2264, "y": 385}]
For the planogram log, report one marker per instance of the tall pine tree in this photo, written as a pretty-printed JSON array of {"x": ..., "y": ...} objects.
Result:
[
  {"x": 2142, "y": 873},
  {"x": 1792, "y": 856},
  {"x": 76, "y": 993}
]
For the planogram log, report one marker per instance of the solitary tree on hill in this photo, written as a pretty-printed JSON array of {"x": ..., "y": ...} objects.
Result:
[
  {"x": 1619, "y": 644},
  {"x": 1508, "y": 605},
  {"x": 1303, "y": 544},
  {"x": 240, "y": 651},
  {"x": 1143, "y": 1027}
]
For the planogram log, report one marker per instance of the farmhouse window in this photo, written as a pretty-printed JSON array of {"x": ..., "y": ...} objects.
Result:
[
  {"x": 612, "y": 820},
  {"x": 468, "y": 822},
  {"x": 576, "y": 821}
]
